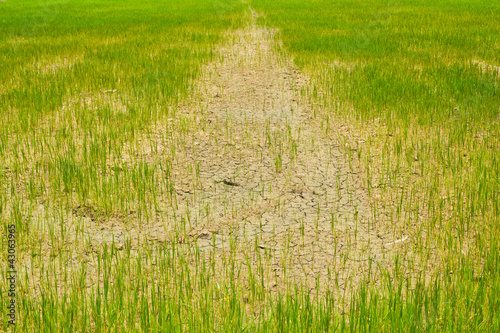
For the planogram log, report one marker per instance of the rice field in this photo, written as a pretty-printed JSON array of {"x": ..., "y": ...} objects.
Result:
[{"x": 268, "y": 166}]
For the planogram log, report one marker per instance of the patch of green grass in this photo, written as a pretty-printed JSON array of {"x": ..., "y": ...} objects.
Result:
[{"x": 423, "y": 62}]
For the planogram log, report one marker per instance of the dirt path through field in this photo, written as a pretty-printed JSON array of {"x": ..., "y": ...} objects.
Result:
[{"x": 258, "y": 170}]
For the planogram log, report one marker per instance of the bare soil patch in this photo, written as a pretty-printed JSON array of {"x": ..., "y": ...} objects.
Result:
[
  {"x": 251, "y": 173},
  {"x": 257, "y": 169}
]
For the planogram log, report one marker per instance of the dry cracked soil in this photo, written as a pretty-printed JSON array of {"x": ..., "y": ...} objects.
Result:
[
  {"x": 251, "y": 170},
  {"x": 258, "y": 170}
]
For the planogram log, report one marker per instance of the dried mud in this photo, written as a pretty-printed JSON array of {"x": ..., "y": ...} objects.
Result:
[
  {"x": 257, "y": 170},
  {"x": 251, "y": 172}
]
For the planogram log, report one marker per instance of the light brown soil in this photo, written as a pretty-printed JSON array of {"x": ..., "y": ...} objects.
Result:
[{"x": 310, "y": 211}]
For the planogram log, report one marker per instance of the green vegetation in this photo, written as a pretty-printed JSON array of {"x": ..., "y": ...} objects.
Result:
[
  {"x": 421, "y": 81},
  {"x": 79, "y": 79},
  {"x": 82, "y": 83},
  {"x": 423, "y": 62}
]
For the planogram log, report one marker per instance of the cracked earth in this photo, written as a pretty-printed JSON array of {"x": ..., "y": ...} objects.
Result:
[
  {"x": 250, "y": 170},
  {"x": 258, "y": 170}
]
